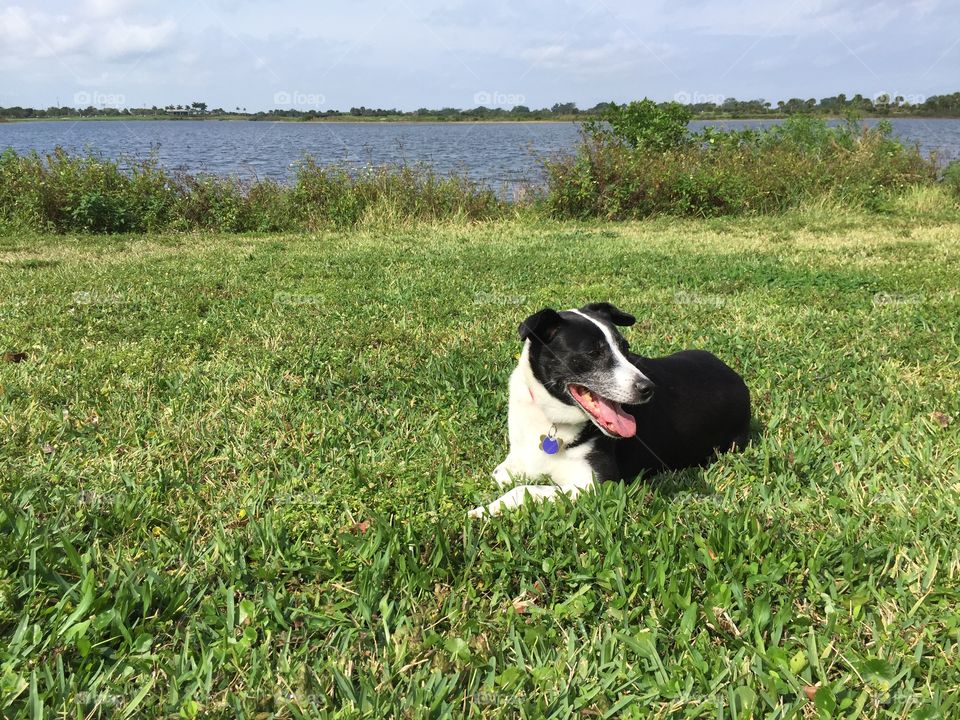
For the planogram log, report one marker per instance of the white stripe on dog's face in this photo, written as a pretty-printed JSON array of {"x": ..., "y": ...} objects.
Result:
[{"x": 626, "y": 375}]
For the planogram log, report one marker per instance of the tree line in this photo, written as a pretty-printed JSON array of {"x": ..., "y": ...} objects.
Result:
[{"x": 841, "y": 104}]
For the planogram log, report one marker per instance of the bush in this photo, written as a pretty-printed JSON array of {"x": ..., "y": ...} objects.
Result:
[
  {"x": 63, "y": 193},
  {"x": 951, "y": 178},
  {"x": 722, "y": 173},
  {"x": 644, "y": 124}
]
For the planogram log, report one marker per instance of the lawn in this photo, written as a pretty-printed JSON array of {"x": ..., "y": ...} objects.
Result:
[{"x": 235, "y": 472}]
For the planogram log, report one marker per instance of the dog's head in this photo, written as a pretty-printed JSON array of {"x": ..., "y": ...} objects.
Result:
[{"x": 579, "y": 356}]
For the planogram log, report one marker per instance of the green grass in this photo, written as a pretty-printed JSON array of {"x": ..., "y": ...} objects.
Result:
[{"x": 235, "y": 471}]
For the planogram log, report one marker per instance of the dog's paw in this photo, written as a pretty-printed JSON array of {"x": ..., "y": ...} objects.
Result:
[{"x": 501, "y": 476}]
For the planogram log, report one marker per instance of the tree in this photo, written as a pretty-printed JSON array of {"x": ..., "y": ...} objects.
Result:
[{"x": 567, "y": 108}]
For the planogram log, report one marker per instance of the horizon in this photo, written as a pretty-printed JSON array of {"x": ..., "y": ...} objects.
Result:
[{"x": 233, "y": 53}]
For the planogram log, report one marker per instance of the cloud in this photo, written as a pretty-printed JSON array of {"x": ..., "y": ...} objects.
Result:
[
  {"x": 106, "y": 8},
  {"x": 36, "y": 35},
  {"x": 120, "y": 39}
]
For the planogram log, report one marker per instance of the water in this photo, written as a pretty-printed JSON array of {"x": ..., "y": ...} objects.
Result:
[{"x": 499, "y": 154}]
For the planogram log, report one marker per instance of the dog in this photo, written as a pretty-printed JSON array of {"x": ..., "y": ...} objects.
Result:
[{"x": 583, "y": 408}]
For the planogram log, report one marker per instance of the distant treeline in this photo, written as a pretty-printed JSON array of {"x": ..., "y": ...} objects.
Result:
[{"x": 700, "y": 106}]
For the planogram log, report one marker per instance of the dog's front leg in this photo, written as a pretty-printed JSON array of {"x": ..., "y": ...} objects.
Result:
[
  {"x": 515, "y": 498},
  {"x": 572, "y": 487}
]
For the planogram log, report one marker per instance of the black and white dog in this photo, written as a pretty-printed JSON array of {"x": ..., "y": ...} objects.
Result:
[{"x": 584, "y": 408}]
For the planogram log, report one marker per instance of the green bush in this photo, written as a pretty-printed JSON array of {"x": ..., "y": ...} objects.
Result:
[
  {"x": 64, "y": 193},
  {"x": 951, "y": 178},
  {"x": 722, "y": 173},
  {"x": 644, "y": 124}
]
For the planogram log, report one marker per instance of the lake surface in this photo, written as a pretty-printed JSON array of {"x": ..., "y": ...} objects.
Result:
[{"x": 500, "y": 154}]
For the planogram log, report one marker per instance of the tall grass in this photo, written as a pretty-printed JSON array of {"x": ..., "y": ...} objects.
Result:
[{"x": 64, "y": 193}]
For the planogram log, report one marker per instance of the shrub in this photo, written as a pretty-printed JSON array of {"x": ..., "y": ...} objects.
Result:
[
  {"x": 63, "y": 193},
  {"x": 722, "y": 173},
  {"x": 644, "y": 124},
  {"x": 951, "y": 178}
]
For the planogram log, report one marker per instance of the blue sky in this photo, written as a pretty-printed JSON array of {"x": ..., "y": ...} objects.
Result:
[{"x": 410, "y": 54}]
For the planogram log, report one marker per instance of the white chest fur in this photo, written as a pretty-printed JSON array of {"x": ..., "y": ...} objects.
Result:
[{"x": 534, "y": 412}]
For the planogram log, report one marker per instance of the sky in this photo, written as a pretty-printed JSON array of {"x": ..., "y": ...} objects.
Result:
[{"x": 409, "y": 54}]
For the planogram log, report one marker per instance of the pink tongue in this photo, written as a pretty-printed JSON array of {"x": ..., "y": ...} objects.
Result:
[{"x": 615, "y": 418}]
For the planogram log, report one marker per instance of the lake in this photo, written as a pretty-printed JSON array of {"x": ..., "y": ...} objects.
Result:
[{"x": 500, "y": 154}]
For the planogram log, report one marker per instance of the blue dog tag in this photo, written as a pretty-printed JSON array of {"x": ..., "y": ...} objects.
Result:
[{"x": 551, "y": 444}]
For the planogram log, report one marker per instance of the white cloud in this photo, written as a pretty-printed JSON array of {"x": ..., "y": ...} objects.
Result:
[
  {"x": 120, "y": 39},
  {"x": 106, "y": 8},
  {"x": 15, "y": 26},
  {"x": 27, "y": 36},
  {"x": 583, "y": 58}
]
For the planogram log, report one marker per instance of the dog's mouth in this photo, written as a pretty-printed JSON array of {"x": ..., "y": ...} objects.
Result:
[{"x": 606, "y": 414}]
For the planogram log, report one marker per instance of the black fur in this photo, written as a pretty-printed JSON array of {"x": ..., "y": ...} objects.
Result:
[{"x": 701, "y": 407}]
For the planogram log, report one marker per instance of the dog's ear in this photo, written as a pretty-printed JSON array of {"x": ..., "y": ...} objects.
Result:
[
  {"x": 541, "y": 326},
  {"x": 611, "y": 313}
]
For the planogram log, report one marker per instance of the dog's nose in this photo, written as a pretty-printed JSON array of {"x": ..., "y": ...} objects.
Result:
[{"x": 645, "y": 390}]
